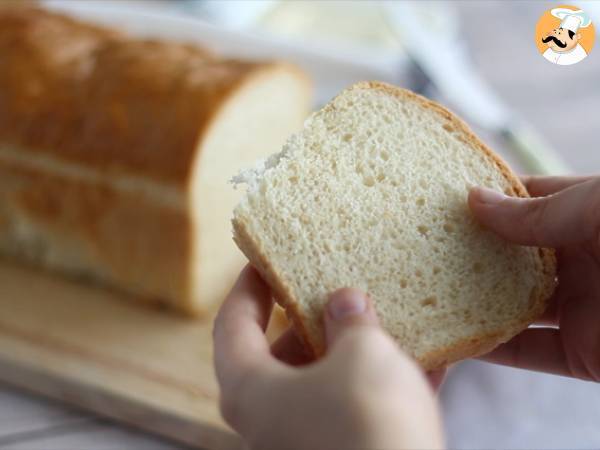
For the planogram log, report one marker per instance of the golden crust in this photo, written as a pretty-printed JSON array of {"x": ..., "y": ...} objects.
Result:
[
  {"x": 481, "y": 344},
  {"x": 470, "y": 347},
  {"x": 92, "y": 96}
]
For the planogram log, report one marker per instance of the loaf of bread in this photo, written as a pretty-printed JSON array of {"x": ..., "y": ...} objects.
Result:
[
  {"x": 372, "y": 194},
  {"x": 115, "y": 153}
]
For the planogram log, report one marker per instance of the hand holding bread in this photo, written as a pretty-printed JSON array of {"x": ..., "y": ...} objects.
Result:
[
  {"x": 364, "y": 394},
  {"x": 372, "y": 194},
  {"x": 564, "y": 214}
]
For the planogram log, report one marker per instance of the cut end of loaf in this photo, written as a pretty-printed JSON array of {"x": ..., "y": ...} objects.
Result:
[
  {"x": 245, "y": 128},
  {"x": 372, "y": 194}
]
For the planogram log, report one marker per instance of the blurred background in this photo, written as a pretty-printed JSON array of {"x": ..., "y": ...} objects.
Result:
[{"x": 478, "y": 58}]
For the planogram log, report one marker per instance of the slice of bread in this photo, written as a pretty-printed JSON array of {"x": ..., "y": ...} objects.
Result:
[{"x": 372, "y": 194}]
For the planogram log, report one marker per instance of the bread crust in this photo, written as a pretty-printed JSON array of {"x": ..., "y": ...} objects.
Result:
[
  {"x": 478, "y": 345},
  {"x": 257, "y": 255},
  {"x": 95, "y": 97},
  {"x": 469, "y": 347}
]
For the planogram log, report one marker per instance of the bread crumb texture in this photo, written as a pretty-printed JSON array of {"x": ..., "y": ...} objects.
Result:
[{"x": 373, "y": 194}]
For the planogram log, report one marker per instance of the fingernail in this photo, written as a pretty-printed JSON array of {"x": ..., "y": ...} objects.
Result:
[
  {"x": 489, "y": 196},
  {"x": 345, "y": 303}
]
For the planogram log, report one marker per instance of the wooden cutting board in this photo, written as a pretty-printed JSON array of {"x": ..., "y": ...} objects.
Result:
[{"x": 90, "y": 348}]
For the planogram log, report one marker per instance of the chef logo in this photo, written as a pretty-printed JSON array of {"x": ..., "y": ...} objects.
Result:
[{"x": 565, "y": 35}]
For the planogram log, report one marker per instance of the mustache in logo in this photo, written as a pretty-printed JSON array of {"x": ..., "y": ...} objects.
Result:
[{"x": 556, "y": 41}]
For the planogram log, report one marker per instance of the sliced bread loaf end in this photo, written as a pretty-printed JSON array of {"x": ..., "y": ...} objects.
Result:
[{"x": 372, "y": 194}]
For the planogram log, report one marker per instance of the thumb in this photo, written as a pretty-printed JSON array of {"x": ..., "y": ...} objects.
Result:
[
  {"x": 347, "y": 308},
  {"x": 571, "y": 216}
]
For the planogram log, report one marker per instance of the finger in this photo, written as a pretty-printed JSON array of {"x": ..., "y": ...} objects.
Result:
[
  {"x": 538, "y": 349},
  {"x": 239, "y": 340},
  {"x": 541, "y": 186},
  {"x": 347, "y": 308},
  {"x": 288, "y": 349},
  {"x": 571, "y": 216}
]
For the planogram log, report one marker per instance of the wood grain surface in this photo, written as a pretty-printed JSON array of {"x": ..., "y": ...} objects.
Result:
[{"x": 86, "y": 346}]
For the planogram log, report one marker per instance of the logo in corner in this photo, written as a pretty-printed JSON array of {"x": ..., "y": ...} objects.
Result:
[{"x": 565, "y": 35}]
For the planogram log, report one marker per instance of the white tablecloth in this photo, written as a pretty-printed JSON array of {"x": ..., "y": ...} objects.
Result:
[{"x": 490, "y": 406}]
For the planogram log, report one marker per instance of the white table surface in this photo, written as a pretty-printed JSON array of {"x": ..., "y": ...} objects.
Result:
[{"x": 485, "y": 406}]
